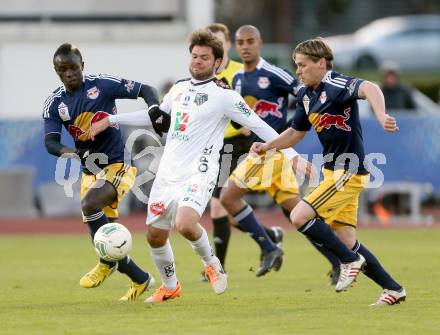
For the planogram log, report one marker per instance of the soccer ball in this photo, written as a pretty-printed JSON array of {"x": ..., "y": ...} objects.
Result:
[{"x": 112, "y": 242}]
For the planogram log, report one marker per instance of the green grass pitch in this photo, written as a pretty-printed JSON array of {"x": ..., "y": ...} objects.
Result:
[{"x": 39, "y": 291}]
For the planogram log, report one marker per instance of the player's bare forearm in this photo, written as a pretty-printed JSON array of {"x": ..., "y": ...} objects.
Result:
[
  {"x": 375, "y": 97},
  {"x": 287, "y": 139},
  {"x": 98, "y": 127}
]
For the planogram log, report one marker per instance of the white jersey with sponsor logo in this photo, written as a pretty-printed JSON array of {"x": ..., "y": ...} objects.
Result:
[{"x": 200, "y": 112}]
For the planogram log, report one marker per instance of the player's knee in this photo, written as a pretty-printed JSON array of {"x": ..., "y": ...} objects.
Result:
[
  {"x": 216, "y": 209},
  {"x": 347, "y": 236},
  {"x": 296, "y": 219},
  {"x": 184, "y": 228},
  {"x": 155, "y": 240},
  {"x": 226, "y": 201},
  {"x": 88, "y": 206},
  {"x": 286, "y": 213}
]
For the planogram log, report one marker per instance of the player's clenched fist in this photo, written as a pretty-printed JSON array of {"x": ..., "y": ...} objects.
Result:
[
  {"x": 389, "y": 123},
  {"x": 258, "y": 148}
]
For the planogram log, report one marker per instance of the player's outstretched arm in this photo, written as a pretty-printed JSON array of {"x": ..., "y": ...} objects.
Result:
[
  {"x": 160, "y": 120},
  {"x": 374, "y": 95},
  {"x": 287, "y": 139},
  {"x": 149, "y": 94},
  {"x": 242, "y": 114},
  {"x": 53, "y": 145}
]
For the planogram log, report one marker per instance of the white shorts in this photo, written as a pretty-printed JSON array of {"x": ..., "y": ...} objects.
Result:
[{"x": 166, "y": 197}]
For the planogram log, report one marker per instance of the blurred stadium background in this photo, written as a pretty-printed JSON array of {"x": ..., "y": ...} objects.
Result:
[{"x": 145, "y": 40}]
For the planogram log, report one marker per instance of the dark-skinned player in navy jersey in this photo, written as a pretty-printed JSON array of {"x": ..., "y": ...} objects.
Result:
[
  {"x": 80, "y": 101},
  {"x": 237, "y": 143},
  {"x": 328, "y": 103}
]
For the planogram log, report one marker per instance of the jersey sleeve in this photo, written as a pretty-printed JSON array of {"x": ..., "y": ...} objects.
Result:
[
  {"x": 286, "y": 82},
  {"x": 118, "y": 88},
  {"x": 52, "y": 121},
  {"x": 348, "y": 88},
  {"x": 167, "y": 101},
  {"x": 300, "y": 120}
]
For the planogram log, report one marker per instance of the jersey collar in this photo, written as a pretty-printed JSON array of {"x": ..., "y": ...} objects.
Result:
[
  {"x": 260, "y": 63},
  {"x": 196, "y": 82},
  {"x": 328, "y": 75}
]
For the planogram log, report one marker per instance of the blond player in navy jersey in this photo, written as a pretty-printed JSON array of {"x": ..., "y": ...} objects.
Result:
[
  {"x": 327, "y": 102},
  {"x": 266, "y": 88}
]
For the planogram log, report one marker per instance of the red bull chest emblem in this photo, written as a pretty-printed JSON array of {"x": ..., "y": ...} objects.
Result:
[
  {"x": 327, "y": 120},
  {"x": 263, "y": 82},
  {"x": 93, "y": 93}
]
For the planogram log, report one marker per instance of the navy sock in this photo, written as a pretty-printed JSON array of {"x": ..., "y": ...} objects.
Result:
[
  {"x": 221, "y": 234},
  {"x": 94, "y": 221},
  {"x": 246, "y": 220},
  {"x": 320, "y": 233},
  {"x": 374, "y": 269},
  {"x": 128, "y": 267},
  {"x": 240, "y": 229},
  {"x": 334, "y": 261}
]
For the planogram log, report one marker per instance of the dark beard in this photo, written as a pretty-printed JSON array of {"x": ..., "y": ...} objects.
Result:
[{"x": 202, "y": 76}]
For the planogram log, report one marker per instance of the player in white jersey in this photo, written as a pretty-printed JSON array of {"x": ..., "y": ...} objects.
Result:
[{"x": 195, "y": 113}]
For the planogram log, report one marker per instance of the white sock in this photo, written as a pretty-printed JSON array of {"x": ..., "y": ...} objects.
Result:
[
  {"x": 203, "y": 248},
  {"x": 163, "y": 257}
]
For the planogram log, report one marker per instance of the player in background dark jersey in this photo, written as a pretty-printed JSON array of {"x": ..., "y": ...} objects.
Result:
[
  {"x": 237, "y": 143},
  {"x": 328, "y": 103},
  {"x": 79, "y": 102}
]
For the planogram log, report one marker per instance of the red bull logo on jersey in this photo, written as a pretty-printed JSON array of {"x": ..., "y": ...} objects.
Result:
[
  {"x": 76, "y": 132},
  {"x": 157, "y": 208},
  {"x": 83, "y": 122},
  {"x": 98, "y": 116},
  {"x": 93, "y": 93},
  {"x": 327, "y": 120},
  {"x": 263, "y": 108}
]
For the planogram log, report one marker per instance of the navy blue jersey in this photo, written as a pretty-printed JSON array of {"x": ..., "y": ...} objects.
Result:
[
  {"x": 266, "y": 91},
  {"x": 91, "y": 102},
  {"x": 333, "y": 111}
]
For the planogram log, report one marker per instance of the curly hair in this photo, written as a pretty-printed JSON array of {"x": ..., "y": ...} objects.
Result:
[{"x": 206, "y": 38}]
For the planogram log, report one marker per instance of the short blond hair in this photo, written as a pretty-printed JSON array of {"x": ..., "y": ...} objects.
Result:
[
  {"x": 315, "y": 48},
  {"x": 220, "y": 27}
]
